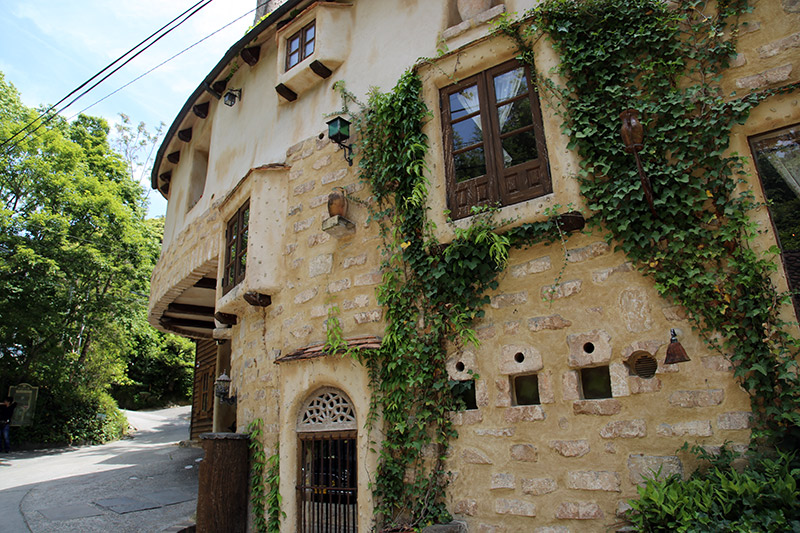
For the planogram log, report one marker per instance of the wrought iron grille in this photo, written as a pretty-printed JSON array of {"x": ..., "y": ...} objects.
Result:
[{"x": 327, "y": 483}]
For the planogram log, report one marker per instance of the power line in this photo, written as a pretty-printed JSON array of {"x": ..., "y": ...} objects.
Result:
[{"x": 193, "y": 9}]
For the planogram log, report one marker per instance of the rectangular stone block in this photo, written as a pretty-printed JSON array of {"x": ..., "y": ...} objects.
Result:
[
  {"x": 594, "y": 480},
  {"x": 524, "y": 413},
  {"x": 531, "y": 267},
  {"x": 624, "y": 429},
  {"x": 735, "y": 420},
  {"x": 605, "y": 407},
  {"x": 570, "y": 448},
  {"x": 579, "y": 511},
  {"x": 641, "y": 467},
  {"x": 596, "y": 249},
  {"x": 691, "y": 428},
  {"x": 514, "y": 507},
  {"x": 540, "y": 323},
  {"x": 503, "y": 481},
  {"x": 697, "y": 398},
  {"x": 507, "y": 300},
  {"x": 561, "y": 290},
  {"x": 539, "y": 485},
  {"x": 526, "y": 453}
]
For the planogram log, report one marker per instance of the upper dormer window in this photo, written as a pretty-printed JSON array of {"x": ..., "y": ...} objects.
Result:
[{"x": 300, "y": 45}]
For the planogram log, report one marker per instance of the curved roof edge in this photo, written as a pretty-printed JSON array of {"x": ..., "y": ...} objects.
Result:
[{"x": 232, "y": 52}]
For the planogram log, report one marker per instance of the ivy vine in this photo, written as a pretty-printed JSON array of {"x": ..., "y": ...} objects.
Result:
[{"x": 265, "y": 499}]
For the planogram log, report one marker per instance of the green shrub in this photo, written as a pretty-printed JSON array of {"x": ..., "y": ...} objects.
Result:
[{"x": 718, "y": 498}]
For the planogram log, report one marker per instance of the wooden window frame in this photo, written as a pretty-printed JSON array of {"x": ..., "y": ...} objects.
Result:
[
  {"x": 500, "y": 185},
  {"x": 301, "y": 38},
  {"x": 235, "y": 240}
]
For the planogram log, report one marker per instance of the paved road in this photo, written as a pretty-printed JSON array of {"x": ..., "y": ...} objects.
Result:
[{"x": 139, "y": 484}]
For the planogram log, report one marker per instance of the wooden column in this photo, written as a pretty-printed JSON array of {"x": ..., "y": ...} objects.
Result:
[{"x": 223, "y": 485}]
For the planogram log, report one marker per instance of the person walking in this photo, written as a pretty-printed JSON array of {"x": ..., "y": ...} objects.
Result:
[{"x": 6, "y": 412}]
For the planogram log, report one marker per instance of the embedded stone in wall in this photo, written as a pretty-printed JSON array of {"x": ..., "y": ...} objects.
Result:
[
  {"x": 596, "y": 249},
  {"x": 791, "y": 6},
  {"x": 370, "y": 278},
  {"x": 540, "y": 323},
  {"x": 503, "y": 398},
  {"x": 481, "y": 393},
  {"x": 570, "y": 448},
  {"x": 600, "y": 276},
  {"x": 762, "y": 79},
  {"x": 692, "y": 428},
  {"x": 675, "y": 312},
  {"x": 303, "y": 332},
  {"x": 619, "y": 379},
  {"x": 531, "y": 267},
  {"x": 318, "y": 201},
  {"x": 647, "y": 466},
  {"x": 323, "y": 161},
  {"x": 475, "y": 457},
  {"x": 539, "y": 485},
  {"x": 297, "y": 263},
  {"x": 320, "y": 265},
  {"x": 515, "y": 507},
  {"x": 579, "y": 511},
  {"x": 697, "y": 398},
  {"x": 650, "y": 346},
  {"x": 624, "y": 429},
  {"x": 304, "y": 188},
  {"x": 525, "y": 453},
  {"x": 605, "y": 407},
  {"x": 368, "y": 316},
  {"x": 587, "y": 349},
  {"x": 354, "y": 260},
  {"x": 717, "y": 363},
  {"x": 460, "y": 372},
  {"x": 318, "y": 238},
  {"x": 485, "y": 332},
  {"x": 561, "y": 290},
  {"x": 551, "y": 529},
  {"x": 295, "y": 173},
  {"x": 290, "y": 248},
  {"x": 569, "y": 386},
  {"x": 523, "y": 413},
  {"x": 737, "y": 60},
  {"x": 489, "y": 528},
  {"x": 781, "y": 45},
  {"x": 735, "y": 420},
  {"x": 503, "y": 481},
  {"x": 303, "y": 224},
  {"x": 635, "y": 309},
  {"x": 305, "y": 296},
  {"x": 362, "y": 300},
  {"x": 319, "y": 311},
  {"x": 641, "y": 385},
  {"x": 467, "y": 418},
  {"x": 465, "y": 507},
  {"x": 506, "y": 300},
  {"x": 336, "y": 175},
  {"x": 293, "y": 210},
  {"x": 501, "y": 432},
  {"x": 511, "y": 328},
  {"x": 594, "y": 480},
  {"x": 622, "y": 508},
  {"x": 519, "y": 358},
  {"x": 546, "y": 394},
  {"x": 339, "y": 285}
]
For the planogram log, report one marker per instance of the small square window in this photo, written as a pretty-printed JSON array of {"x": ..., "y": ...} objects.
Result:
[
  {"x": 525, "y": 389},
  {"x": 595, "y": 383},
  {"x": 465, "y": 392},
  {"x": 300, "y": 45}
]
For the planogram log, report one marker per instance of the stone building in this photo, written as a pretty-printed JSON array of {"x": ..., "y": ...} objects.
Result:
[{"x": 563, "y": 426}]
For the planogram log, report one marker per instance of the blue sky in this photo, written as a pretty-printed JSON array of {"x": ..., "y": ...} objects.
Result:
[{"x": 49, "y": 47}]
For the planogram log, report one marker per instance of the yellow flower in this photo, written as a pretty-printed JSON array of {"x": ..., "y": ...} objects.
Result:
[
  {"x": 708, "y": 193},
  {"x": 653, "y": 264},
  {"x": 405, "y": 245}
]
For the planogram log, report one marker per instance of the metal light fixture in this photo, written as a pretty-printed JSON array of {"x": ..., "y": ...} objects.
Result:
[
  {"x": 675, "y": 352},
  {"x": 339, "y": 132},
  {"x": 222, "y": 389},
  {"x": 231, "y": 96},
  {"x": 633, "y": 136}
]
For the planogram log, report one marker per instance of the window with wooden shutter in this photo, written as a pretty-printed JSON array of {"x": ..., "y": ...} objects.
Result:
[
  {"x": 236, "y": 248},
  {"x": 493, "y": 140}
]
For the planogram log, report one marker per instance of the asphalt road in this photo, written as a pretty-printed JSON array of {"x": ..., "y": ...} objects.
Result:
[{"x": 142, "y": 483}]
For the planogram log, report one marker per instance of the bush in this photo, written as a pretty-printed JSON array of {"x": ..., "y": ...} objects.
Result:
[
  {"x": 73, "y": 418},
  {"x": 717, "y": 498}
]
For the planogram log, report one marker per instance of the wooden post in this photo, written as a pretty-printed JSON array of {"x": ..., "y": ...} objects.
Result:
[{"x": 222, "y": 494}]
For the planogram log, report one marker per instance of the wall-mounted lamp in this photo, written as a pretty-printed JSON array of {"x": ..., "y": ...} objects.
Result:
[
  {"x": 675, "y": 352},
  {"x": 339, "y": 132},
  {"x": 231, "y": 96},
  {"x": 222, "y": 389},
  {"x": 633, "y": 136}
]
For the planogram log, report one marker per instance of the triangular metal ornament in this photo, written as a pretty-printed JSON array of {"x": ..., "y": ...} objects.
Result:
[{"x": 675, "y": 352}]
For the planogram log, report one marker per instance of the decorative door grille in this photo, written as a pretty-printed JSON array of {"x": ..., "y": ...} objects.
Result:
[{"x": 327, "y": 482}]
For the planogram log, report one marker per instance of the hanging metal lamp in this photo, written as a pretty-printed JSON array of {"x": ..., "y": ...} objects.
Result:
[{"x": 675, "y": 352}]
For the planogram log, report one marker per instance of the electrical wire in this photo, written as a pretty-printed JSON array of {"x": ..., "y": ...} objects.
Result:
[{"x": 194, "y": 9}]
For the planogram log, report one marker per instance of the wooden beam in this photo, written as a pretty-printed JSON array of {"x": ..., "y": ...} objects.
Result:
[
  {"x": 166, "y": 176},
  {"x": 219, "y": 86},
  {"x": 185, "y": 135},
  {"x": 174, "y": 157},
  {"x": 189, "y": 309},
  {"x": 286, "y": 92},
  {"x": 186, "y": 323},
  {"x": 201, "y": 110},
  {"x": 320, "y": 70},
  {"x": 226, "y": 318},
  {"x": 206, "y": 283},
  {"x": 250, "y": 55}
]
